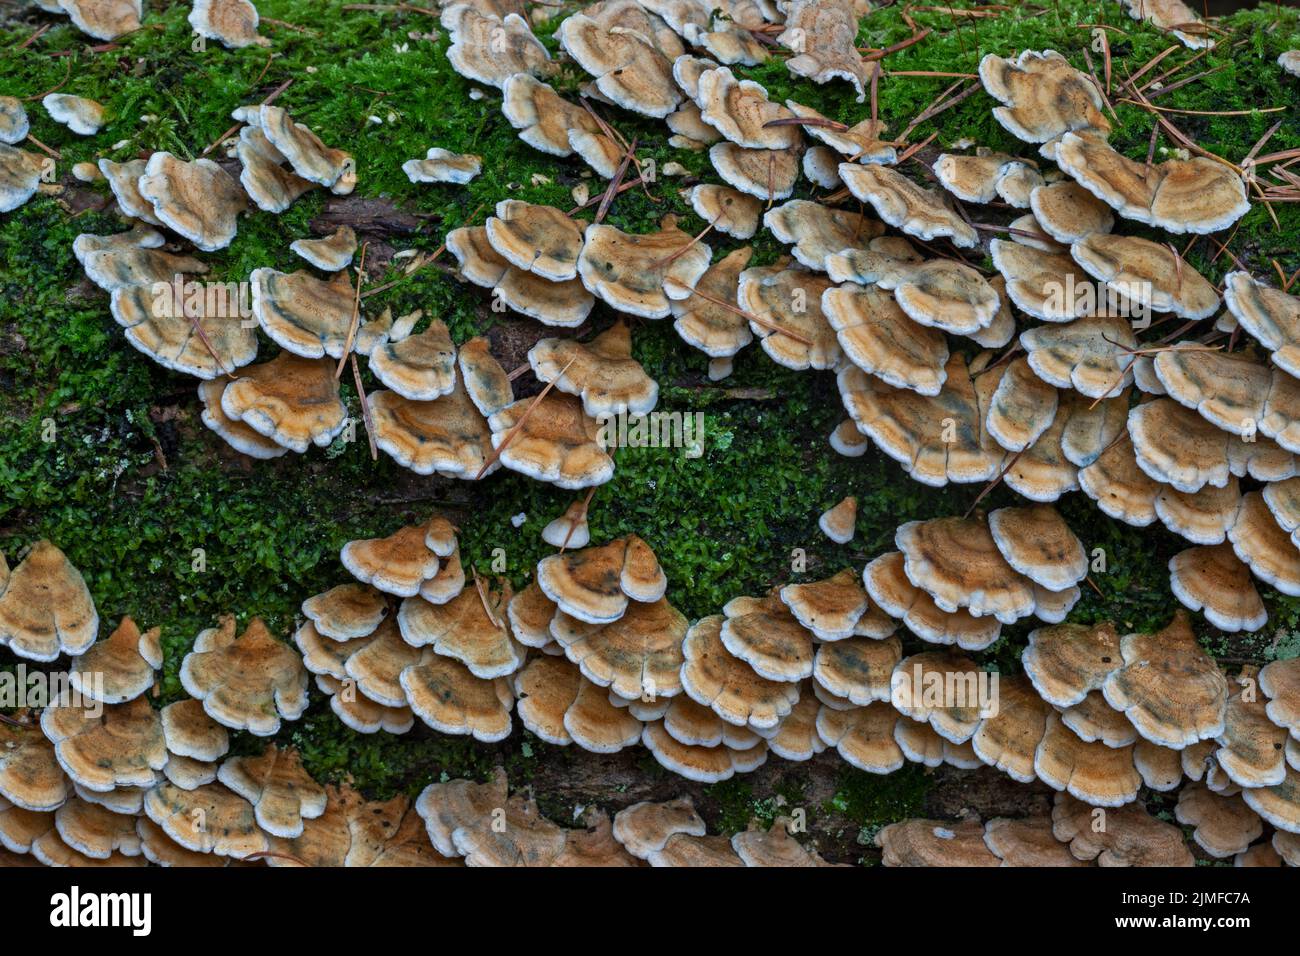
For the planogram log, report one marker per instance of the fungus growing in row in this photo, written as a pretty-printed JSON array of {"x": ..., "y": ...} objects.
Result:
[
  {"x": 882, "y": 340},
  {"x": 1146, "y": 274},
  {"x": 1067, "y": 212},
  {"x": 640, "y": 273},
  {"x": 119, "y": 668},
  {"x": 282, "y": 793},
  {"x": 818, "y": 231},
  {"x": 1092, "y": 772},
  {"x": 1043, "y": 97},
  {"x": 903, "y": 204},
  {"x": 1131, "y": 836},
  {"x": 553, "y": 440},
  {"x": 196, "y": 336},
  {"x": 1172, "y": 16},
  {"x": 543, "y": 117},
  {"x": 713, "y": 676},
  {"x": 637, "y": 656},
  {"x": 934, "y": 843},
  {"x": 1252, "y": 749},
  {"x": 209, "y": 819},
  {"x": 742, "y": 113},
  {"x": 246, "y": 682},
  {"x": 46, "y": 610},
  {"x": 269, "y": 183},
  {"x": 446, "y": 696},
  {"x": 470, "y": 628},
  {"x": 1035, "y": 281},
  {"x": 84, "y": 117},
  {"x": 831, "y": 608},
  {"x": 858, "y": 669},
  {"x": 595, "y": 584},
  {"x": 236, "y": 434},
  {"x": 103, "y": 747},
  {"x": 1036, "y": 541},
  {"x": 304, "y": 151},
  {"x": 30, "y": 774},
  {"x": 1021, "y": 407},
  {"x": 20, "y": 176},
  {"x": 402, "y": 562},
  {"x": 863, "y": 736},
  {"x": 1091, "y": 355},
  {"x": 1204, "y": 517},
  {"x": 768, "y": 637},
  {"x": 1009, "y": 738},
  {"x": 890, "y": 590},
  {"x": 602, "y": 372},
  {"x": 292, "y": 400}
]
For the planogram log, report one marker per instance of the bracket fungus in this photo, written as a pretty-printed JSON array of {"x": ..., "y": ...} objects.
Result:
[
  {"x": 201, "y": 336},
  {"x": 1092, "y": 772},
  {"x": 890, "y": 590},
  {"x": 552, "y": 439},
  {"x": 707, "y": 318},
  {"x": 198, "y": 200},
  {"x": 104, "y": 19},
  {"x": 727, "y": 210},
  {"x": 638, "y": 657},
  {"x": 119, "y": 668},
  {"x": 30, "y": 774},
  {"x": 269, "y": 183},
  {"x": 449, "y": 698},
  {"x": 420, "y": 367},
  {"x": 443, "y": 166},
  {"x": 236, "y": 434},
  {"x": 308, "y": 156},
  {"x": 84, "y": 117},
  {"x": 858, "y": 669},
  {"x": 305, "y": 315},
  {"x": 822, "y": 34},
  {"x": 1172, "y": 16},
  {"x": 1091, "y": 355},
  {"x": 246, "y": 682},
  {"x": 471, "y": 628},
  {"x": 1251, "y": 749},
  {"x": 20, "y": 176},
  {"x": 489, "y": 49},
  {"x": 402, "y": 562},
  {"x": 763, "y": 633},
  {"x": 1259, "y": 541},
  {"x": 282, "y": 793},
  {"x": 860, "y": 141},
  {"x": 863, "y": 736},
  {"x": 1131, "y": 836},
  {"x": 208, "y": 819},
  {"x": 711, "y": 675},
  {"x": 767, "y": 174},
  {"x": 629, "y": 69},
  {"x": 332, "y": 253},
  {"x": 1145, "y": 274},
  {"x": 595, "y": 584},
  {"x": 543, "y": 117},
  {"x": 702, "y": 764},
  {"x": 788, "y": 299},
  {"x": 232, "y": 22},
  {"x": 538, "y": 239},
  {"x": 1271, "y": 316},
  {"x": 46, "y": 610},
  {"x": 602, "y": 372},
  {"x": 901, "y": 203},
  {"x": 1212, "y": 579},
  {"x": 742, "y": 113},
  {"x": 831, "y": 608},
  {"x": 641, "y": 273},
  {"x": 448, "y": 436},
  {"x": 882, "y": 340},
  {"x": 14, "y": 124},
  {"x": 1036, "y": 541},
  {"x": 1067, "y": 212},
  {"x": 646, "y": 828},
  {"x": 107, "y": 746},
  {"x": 1043, "y": 97},
  {"x": 816, "y": 231},
  {"x": 1037, "y": 282},
  {"x": 292, "y": 400},
  {"x": 935, "y": 843}
]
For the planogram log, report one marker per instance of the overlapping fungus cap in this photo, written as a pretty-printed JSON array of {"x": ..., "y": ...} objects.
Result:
[
  {"x": 119, "y": 668},
  {"x": 910, "y": 428},
  {"x": 1172, "y": 691},
  {"x": 208, "y": 819},
  {"x": 1224, "y": 825},
  {"x": 445, "y": 695},
  {"x": 1269, "y": 315},
  {"x": 124, "y": 181},
  {"x": 400, "y": 563},
  {"x": 637, "y": 656},
  {"x": 713, "y": 676},
  {"x": 821, "y": 167},
  {"x": 688, "y": 127},
  {"x": 123, "y": 267},
  {"x": 30, "y": 774},
  {"x": 1021, "y": 407},
  {"x": 1280, "y": 681},
  {"x": 759, "y": 847},
  {"x": 817, "y": 231},
  {"x": 1093, "y": 719},
  {"x": 1091, "y": 355},
  {"x": 181, "y": 335},
  {"x": 979, "y": 177},
  {"x": 822, "y": 35},
  {"x": 1036, "y": 541},
  {"x": 1146, "y": 273},
  {"x": 695, "y": 725},
  {"x": 683, "y": 850},
  {"x": 280, "y": 789},
  {"x": 858, "y": 669},
  {"x": 1035, "y": 280},
  {"x": 1093, "y": 772},
  {"x": 471, "y": 628},
  {"x": 20, "y": 828},
  {"x": 1172, "y": 16},
  {"x": 20, "y": 176},
  {"x": 1028, "y": 841},
  {"x": 957, "y": 561},
  {"x": 545, "y": 689},
  {"x": 346, "y": 612},
  {"x": 554, "y": 441},
  {"x": 1177, "y": 447},
  {"x": 954, "y": 716},
  {"x": 863, "y": 736},
  {"x": 1283, "y": 500},
  {"x": 1067, "y": 212},
  {"x": 789, "y": 298},
  {"x": 729, "y": 210},
  {"x": 901, "y": 203},
  {"x": 538, "y": 239},
  {"x": 1162, "y": 768},
  {"x": 84, "y": 117},
  {"x": 1009, "y": 738},
  {"x": 13, "y": 120},
  {"x": 1279, "y": 804},
  {"x": 238, "y": 435},
  {"x": 449, "y": 436},
  {"x": 198, "y": 200},
  {"x": 629, "y": 70},
  {"x": 303, "y": 150},
  {"x": 95, "y": 832},
  {"x": 882, "y": 340},
  {"x": 765, "y": 635},
  {"x": 741, "y": 111},
  {"x": 249, "y": 682},
  {"x": 1252, "y": 749},
  {"x": 1196, "y": 195},
  {"x": 191, "y": 734},
  {"x": 271, "y": 185},
  {"x": 1212, "y": 579},
  {"x": 523, "y": 837},
  {"x": 233, "y": 22},
  {"x": 139, "y": 236},
  {"x": 331, "y": 253},
  {"x": 935, "y": 843},
  {"x": 1043, "y": 96},
  {"x": 358, "y": 711},
  {"x": 602, "y": 371},
  {"x": 530, "y": 612},
  {"x": 292, "y": 400},
  {"x": 1131, "y": 836},
  {"x": 829, "y": 608},
  {"x": 595, "y": 584},
  {"x": 420, "y": 367},
  {"x": 543, "y": 117},
  {"x": 105, "y": 19},
  {"x": 45, "y": 607},
  {"x": 308, "y": 316},
  {"x": 448, "y": 807},
  {"x": 860, "y": 142},
  {"x": 640, "y": 273},
  {"x": 887, "y": 584},
  {"x": 109, "y": 746},
  {"x": 768, "y": 174},
  {"x": 939, "y": 293},
  {"x": 50, "y": 849},
  {"x": 569, "y": 530},
  {"x": 1264, "y": 545},
  {"x": 714, "y": 329},
  {"x": 702, "y": 764},
  {"x": 645, "y": 828}
]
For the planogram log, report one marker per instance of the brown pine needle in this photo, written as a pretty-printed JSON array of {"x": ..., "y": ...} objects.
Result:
[
  {"x": 47, "y": 150},
  {"x": 612, "y": 191},
  {"x": 365, "y": 408},
  {"x": 497, "y": 452},
  {"x": 481, "y": 588},
  {"x": 271, "y": 97},
  {"x": 517, "y": 373},
  {"x": 737, "y": 310},
  {"x": 901, "y": 45},
  {"x": 911, "y": 150},
  {"x": 356, "y": 314},
  {"x": 586, "y": 503},
  {"x": 207, "y": 344},
  {"x": 1170, "y": 109},
  {"x": 54, "y": 89},
  {"x": 1092, "y": 584},
  {"x": 994, "y": 483},
  {"x": 272, "y": 854},
  {"x": 663, "y": 263},
  {"x": 934, "y": 73}
]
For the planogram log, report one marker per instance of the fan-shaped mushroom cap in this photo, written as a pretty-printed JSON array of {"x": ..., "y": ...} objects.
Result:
[
  {"x": 530, "y": 612},
  {"x": 1283, "y": 500},
  {"x": 1233, "y": 392},
  {"x": 1280, "y": 680},
  {"x": 1093, "y": 772},
  {"x": 346, "y": 612},
  {"x": 197, "y": 199},
  {"x": 202, "y": 336},
  {"x": 1027, "y": 842},
  {"x": 139, "y": 236},
  {"x": 1160, "y": 767},
  {"x": 1067, "y": 212},
  {"x": 858, "y": 669},
  {"x": 1212, "y": 579},
  {"x": 84, "y": 117},
  {"x": 1279, "y": 804},
  {"x": 1021, "y": 407},
  {"x": 882, "y": 340},
  {"x": 1093, "y": 719},
  {"x": 729, "y": 210},
  {"x": 119, "y": 668},
  {"x": 1269, "y": 315},
  {"x": 238, "y": 435},
  {"x": 941, "y": 688},
  {"x": 860, "y": 142},
  {"x": 821, "y": 167},
  {"x": 768, "y": 174},
  {"x": 443, "y": 166},
  {"x": 1224, "y": 825},
  {"x": 957, "y": 561},
  {"x": 401, "y": 562},
  {"x": 1009, "y": 738},
  {"x": 1039, "y": 282},
  {"x": 360, "y": 712},
  {"x": 1147, "y": 274},
  {"x": 1171, "y": 690},
  {"x": 446, "y": 696},
  {"x": 645, "y": 828},
  {"x": 124, "y": 181},
  {"x": 863, "y": 736},
  {"x": 1178, "y": 447},
  {"x": 789, "y": 298},
  {"x": 1043, "y": 96},
  {"x": 522, "y": 838},
  {"x": 448, "y": 436},
  {"x": 233, "y": 22},
  {"x": 938, "y": 293},
  {"x": 1037, "y": 542},
  {"x": 556, "y": 441},
  {"x": 103, "y": 747},
  {"x": 1119, "y": 486},
  {"x": 490, "y": 49},
  {"x": 310, "y": 158},
  {"x": 105, "y": 19},
  {"x": 30, "y": 774},
  {"x": 696, "y": 725},
  {"x": 13, "y": 120},
  {"x": 292, "y": 400},
  {"x": 303, "y": 314},
  {"x": 758, "y": 847},
  {"x": 545, "y": 689},
  {"x": 1130, "y": 836},
  {"x": 209, "y": 819},
  {"x": 122, "y": 268},
  {"x": 1066, "y": 661},
  {"x": 281, "y": 791},
  {"x": 817, "y": 231},
  {"x": 628, "y": 68},
  {"x": 640, "y": 273},
  {"x": 448, "y": 807},
  {"x": 796, "y": 738},
  {"x": 421, "y": 367},
  {"x": 741, "y": 111},
  {"x": 915, "y": 210},
  {"x": 538, "y": 239},
  {"x": 50, "y": 849},
  {"x": 602, "y": 371},
  {"x": 1263, "y": 544},
  {"x": 247, "y": 682},
  {"x": 594, "y": 584},
  {"x": 602, "y": 153},
  {"x": 20, "y": 828},
  {"x": 1251, "y": 748},
  {"x": 1091, "y": 355},
  {"x": 765, "y": 635},
  {"x": 1194, "y": 195},
  {"x": 712, "y": 675},
  {"x": 972, "y": 178},
  {"x": 45, "y": 607},
  {"x": 690, "y": 130},
  {"x": 830, "y": 608},
  {"x": 331, "y": 253},
  {"x": 934, "y": 843},
  {"x": 570, "y": 530},
  {"x": 1172, "y": 16},
  {"x": 638, "y": 655},
  {"x": 271, "y": 185},
  {"x": 465, "y": 629},
  {"x": 190, "y": 732},
  {"x": 703, "y": 764},
  {"x": 543, "y": 117},
  {"x": 822, "y": 35},
  {"x": 20, "y": 176},
  {"x": 711, "y": 328},
  {"x": 893, "y": 593}
]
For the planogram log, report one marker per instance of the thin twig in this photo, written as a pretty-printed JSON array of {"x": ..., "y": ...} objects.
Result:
[
  {"x": 497, "y": 452},
  {"x": 356, "y": 314}
]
